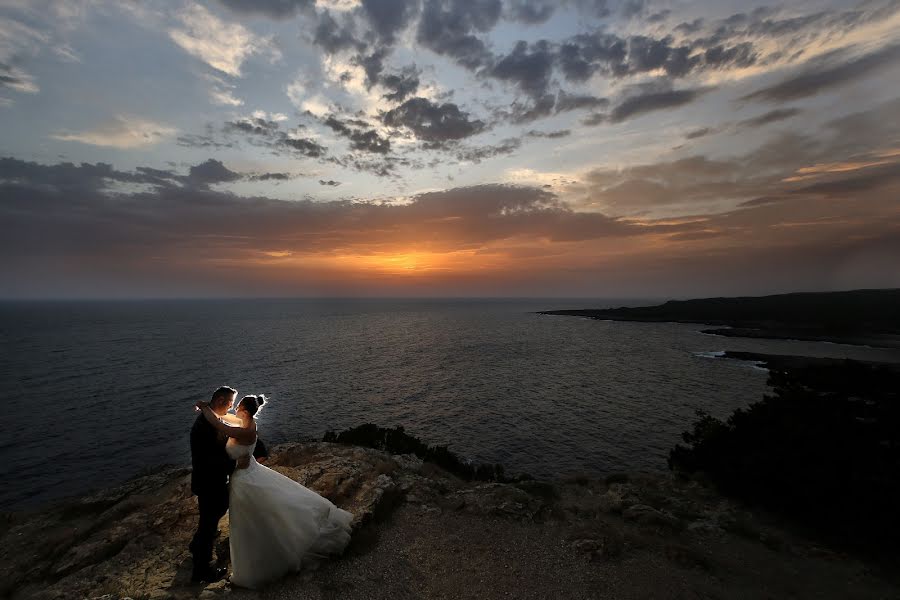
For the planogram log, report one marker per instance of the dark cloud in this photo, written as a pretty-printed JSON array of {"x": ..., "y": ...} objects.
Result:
[
  {"x": 334, "y": 37},
  {"x": 304, "y": 146},
  {"x": 253, "y": 125},
  {"x": 435, "y": 123},
  {"x": 740, "y": 55},
  {"x": 448, "y": 27},
  {"x": 329, "y": 182},
  {"x": 652, "y": 101},
  {"x": 584, "y": 54},
  {"x": 212, "y": 171},
  {"x": 528, "y": 66},
  {"x": 699, "y": 133},
  {"x": 476, "y": 155},
  {"x": 825, "y": 73},
  {"x": 268, "y": 134},
  {"x": 595, "y": 119},
  {"x": 779, "y": 114},
  {"x": 389, "y": 17},
  {"x": 549, "y": 134},
  {"x": 530, "y": 12},
  {"x": 201, "y": 141},
  {"x": 69, "y": 177},
  {"x": 270, "y": 177},
  {"x": 400, "y": 85},
  {"x": 372, "y": 64},
  {"x": 365, "y": 141},
  {"x": 529, "y": 111},
  {"x": 275, "y": 9},
  {"x": 566, "y": 102}
]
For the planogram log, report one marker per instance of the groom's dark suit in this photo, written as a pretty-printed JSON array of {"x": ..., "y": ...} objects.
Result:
[{"x": 209, "y": 482}]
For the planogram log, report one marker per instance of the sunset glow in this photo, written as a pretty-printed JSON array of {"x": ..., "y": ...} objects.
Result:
[{"x": 441, "y": 147}]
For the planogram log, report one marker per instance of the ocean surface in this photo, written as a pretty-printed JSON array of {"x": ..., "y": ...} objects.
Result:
[{"x": 96, "y": 392}]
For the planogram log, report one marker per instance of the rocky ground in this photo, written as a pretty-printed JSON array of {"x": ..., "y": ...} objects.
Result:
[{"x": 423, "y": 533}]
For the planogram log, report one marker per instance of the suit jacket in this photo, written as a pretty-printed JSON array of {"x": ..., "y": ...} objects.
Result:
[
  {"x": 208, "y": 458},
  {"x": 211, "y": 464}
]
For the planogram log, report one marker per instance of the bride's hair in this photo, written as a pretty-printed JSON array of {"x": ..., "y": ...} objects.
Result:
[{"x": 253, "y": 403}]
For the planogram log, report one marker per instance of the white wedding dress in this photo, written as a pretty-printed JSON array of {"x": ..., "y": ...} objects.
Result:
[{"x": 276, "y": 523}]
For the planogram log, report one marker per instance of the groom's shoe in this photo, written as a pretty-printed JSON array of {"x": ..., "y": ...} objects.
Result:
[{"x": 209, "y": 574}]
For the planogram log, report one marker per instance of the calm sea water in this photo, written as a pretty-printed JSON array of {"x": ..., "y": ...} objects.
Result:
[{"x": 97, "y": 391}]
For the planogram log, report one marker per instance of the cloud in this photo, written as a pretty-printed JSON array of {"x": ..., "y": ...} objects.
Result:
[
  {"x": 223, "y": 46},
  {"x": 400, "y": 85},
  {"x": 261, "y": 131},
  {"x": 528, "y": 66},
  {"x": 824, "y": 73},
  {"x": 274, "y": 9},
  {"x": 549, "y": 134},
  {"x": 642, "y": 103},
  {"x": 362, "y": 140},
  {"x": 212, "y": 171},
  {"x": 335, "y": 37},
  {"x": 389, "y": 17},
  {"x": 431, "y": 122},
  {"x": 530, "y": 12},
  {"x": 176, "y": 220},
  {"x": 17, "y": 80},
  {"x": 476, "y": 155},
  {"x": 221, "y": 92},
  {"x": 448, "y": 28},
  {"x": 65, "y": 234},
  {"x": 122, "y": 131},
  {"x": 699, "y": 133},
  {"x": 779, "y": 114},
  {"x": 269, "y": 177},
  {"x": 566, "y": 102}
]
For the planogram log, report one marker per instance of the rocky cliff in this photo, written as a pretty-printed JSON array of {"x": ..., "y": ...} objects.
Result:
[{"x": 421, "y": 532}]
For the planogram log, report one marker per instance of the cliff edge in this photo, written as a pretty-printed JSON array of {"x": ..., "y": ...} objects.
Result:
[{"x": 421, "y": 532}]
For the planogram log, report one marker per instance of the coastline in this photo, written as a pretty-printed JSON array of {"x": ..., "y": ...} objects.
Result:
[
  {"x": 858, "y": 318},
  {"x": 420, "y": 531}
]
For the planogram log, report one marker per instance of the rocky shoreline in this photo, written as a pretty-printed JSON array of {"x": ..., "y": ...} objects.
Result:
[{"x": 422, "y": 532}]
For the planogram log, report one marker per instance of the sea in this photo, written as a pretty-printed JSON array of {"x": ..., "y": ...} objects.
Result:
[{"x": 96, "y": 392}]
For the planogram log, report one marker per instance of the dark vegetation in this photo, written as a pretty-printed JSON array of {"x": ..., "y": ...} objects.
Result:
[
  {"x": 859, "y": 316},
  {"x": 823, "y": 449},
  {"x": 397, "y": 441}
]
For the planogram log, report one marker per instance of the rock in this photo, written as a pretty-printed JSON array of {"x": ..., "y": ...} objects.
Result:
[
  {"x": 588, "y": 546},
  {"x": 499, "y": 499},
  {"x": 647, "y": 515},
  {"x": 705, "y": 526},
  {"x": 613, "y": 500}
]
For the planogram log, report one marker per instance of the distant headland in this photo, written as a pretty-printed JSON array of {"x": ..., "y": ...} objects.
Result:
[{"x": 859, "y": 317}]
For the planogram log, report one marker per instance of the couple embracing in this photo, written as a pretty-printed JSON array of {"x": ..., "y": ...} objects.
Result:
[{"x": 276, "y": 523}]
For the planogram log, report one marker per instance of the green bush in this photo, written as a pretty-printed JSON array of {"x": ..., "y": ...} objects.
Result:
[{"x": 397, "y": 441}]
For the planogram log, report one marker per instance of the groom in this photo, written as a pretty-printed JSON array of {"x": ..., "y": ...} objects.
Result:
[{"x": 209, "y": 482}]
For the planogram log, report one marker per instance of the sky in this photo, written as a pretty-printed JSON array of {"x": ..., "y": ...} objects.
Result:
[{"x": 577, "y": 148}]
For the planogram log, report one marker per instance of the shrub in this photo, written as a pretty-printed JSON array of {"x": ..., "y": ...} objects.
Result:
[{"x": 823, "y": 449}]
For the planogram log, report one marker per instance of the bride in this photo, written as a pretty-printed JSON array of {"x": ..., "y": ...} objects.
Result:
[{"x": 276, "y": 523}]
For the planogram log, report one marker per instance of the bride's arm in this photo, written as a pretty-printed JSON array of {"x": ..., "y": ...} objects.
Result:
[
  {"x": 230, "y": 419},
  {"x": 241, "y": 433}
]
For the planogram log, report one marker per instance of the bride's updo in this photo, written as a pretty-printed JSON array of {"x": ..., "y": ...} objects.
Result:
[{"x": 252, "y": 404}]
